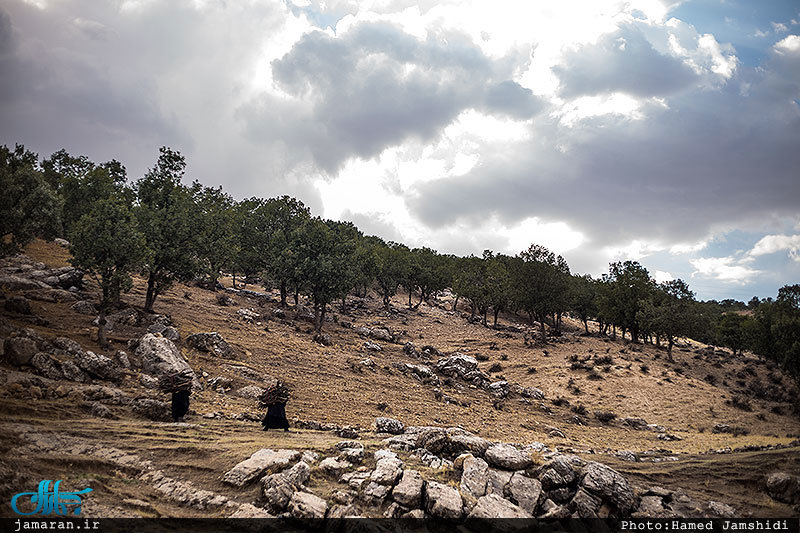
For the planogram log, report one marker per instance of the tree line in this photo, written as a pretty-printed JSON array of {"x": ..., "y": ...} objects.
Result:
[{"x": 167, "y": 231}]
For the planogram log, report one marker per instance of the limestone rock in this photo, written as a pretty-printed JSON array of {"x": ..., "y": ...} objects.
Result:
[
  {"x": 507, "y": 457},
  {"x": 387, "y": 471},
  {"x": 494, "y": 506},
  {"x": 84, "y": 307},
  {"x": 307, "y": 505},
  {"x": 332, "y": 465},
  {"x": 784, "y": 487},
  {"x": 264, "y": 460},
  {"x": 408, "y": 491},
  {"x": 277, "y": 489},
  {"x": 443, "y": 501},
  {"x": 20, "y": 350},
  {"x": 609, "y": 485},
  {"x": 212, "y": 343},
  {"x": 98, "y": 366},
  {"x": 159, "y": 356},
  {"x": 474, "y": 477},
  {"x": 389, "y": 425},
  {"x": 525, "y": 492}
]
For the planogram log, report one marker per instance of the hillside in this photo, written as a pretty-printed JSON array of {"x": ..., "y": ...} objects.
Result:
[{"x": 709, "y": 424}]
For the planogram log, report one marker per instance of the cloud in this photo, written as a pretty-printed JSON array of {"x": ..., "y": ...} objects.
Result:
[
  {"x": 622, "y": 61},
  {"x": 770, "y": 244},
  {"x": 723, "y": 268},
  {"x": 790, "y": 44},
  {"x": 375, "y": 86},
  {"x": 662, "y": 277}
]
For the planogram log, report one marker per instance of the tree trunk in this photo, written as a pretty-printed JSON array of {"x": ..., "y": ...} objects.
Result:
[
  {"x": 102, "y": 336},
  {"x": 586, "y": 325},
  {"x": 386, "y": 301},
  {"x": 296, "y": 296},
  {"x": 283, "y": 293},
  {"x": 409, "y": 298},
  {"x": 558, "y": 323},
  {"x": 484, "y": 317},
  {"x": 472, "y": 312},
  {"x": 455, "y": 304},
  {"x": 670, "y": 342},
  {"x": 233, "y": 277},
  {"x": 321, "y": 317},
  {"x": 544, "y": 333},
  {"x": 317, "y": 318},
  {"x": 344, "y": 303},
  {"x": 496, "y": 312},
  {"x": 150, "y": 297},
  {"x": 614, "y": 331}
]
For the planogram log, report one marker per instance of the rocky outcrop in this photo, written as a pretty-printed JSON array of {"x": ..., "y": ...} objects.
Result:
[
  {"x": 443, "y": 501},
  {"x": 507, "y": 457},
  {"x": 98, "y": 366},
  {"x": 159, "y": 356},
  {"x": 494, "y": 506},
  {"x": 212, "y": 343},
  {"x": 262, "y": 461},
  {"x": 783, "y": 487},
  {"x": 389, "y": 425},
  {"x": 277, "y": 489},
  {"x": 409, "y": 489},
  {"x": 608, "y": 484}
]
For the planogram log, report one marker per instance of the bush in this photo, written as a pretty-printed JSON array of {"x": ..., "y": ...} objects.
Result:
[
  {"x": 496, "y": 367},
  {"x": 604, "y": 360},
  {"x": 645, "y": 369},
  {"x": 594, "y": 376},
  {"x": 605, "y": 416},
  {"x": 481, "y": 357},
  {"x": 740, "y": 403},
  {"x": 579, "y": 409},
  {"x": 560, "y": 401}
]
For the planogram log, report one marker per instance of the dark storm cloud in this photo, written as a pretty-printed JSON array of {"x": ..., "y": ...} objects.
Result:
[
  {"x": 377, "y": 86},
  {"x": 714, "y": 158},
  {"x": 623, "y": 61}
]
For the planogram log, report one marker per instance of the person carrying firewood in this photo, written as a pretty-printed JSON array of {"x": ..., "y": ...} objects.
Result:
[
  {"x": 275, "y": 399},
  {"x": 180, "y": 385}
]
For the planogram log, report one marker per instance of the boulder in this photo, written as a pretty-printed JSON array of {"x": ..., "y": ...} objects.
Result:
[
  {"x": 639, "y": 424},
  {"x": 559, "y": 472},
  {"x": 277, "y": 489},
  {"x": 609, "y": 485},
  {"x": 20, "y": 350},
  {"x": 160, "y": 356},
  {"x": 212, "y": 343},
  {"x": 68, "y": 345},
  {"x": 473, "y": 444},
  {"x": 84, "y": 307},
  {"x": 98, "y": 366},
  {"x": 408, "y": 491},
  {"x": 783, "y": 487},
  {"x": 47, "y": 366},
  {"x": 101, "y": 411},
  {"x": 248, "y": 510},
  {"x": 720, "y": 509},
  {"x": 499, "y": 389},
  {"x": 498, "y": 481},
  {"x": 307, "y": 505},
  {"x": 584, "y": 504},
  {"x": 18, "y": 304},
  {"x": 152, "y": 409},
  {"x": 73, "y": 373},
  {"x": 507, "y": 457},
  {"x": 443, "y": 501},
  {"x": 650, "y": 507},
  {"x": 252, "y": 392},
  {"x": 171, "y": 333},
  {"x": 525, "y": 492},
  {"x": 262, "y": 461},
  {"x": 474, "y": 476},
  {"x": 16, "y": 283},
  {"x": 332, "y": 465},
  {"x": 387, "y": 471},
  {"x": 494, "y": 506},
  {"x": 374, "y": 493},
  {"x": 389, "y": 425}
]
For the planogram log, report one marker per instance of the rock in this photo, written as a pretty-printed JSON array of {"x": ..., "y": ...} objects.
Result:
[
  {"x": 73, "y": 373},
  {"x": 84, "y": 307},
  {"x": 352, "y": 455},
  {"x": 389, "y": 425},
  {"x": 554, "y": 512},
  {"x": 152, "y": 409},
  {"x": 68, "y": 345},
  {"x": 525, "y": 492},
  {"x": 473, "y": 444},
  {"x": 342, "y": 497},
  {"x": 17, "y": 283},
  {"x": 414, "y": 514},
  {"x": 69, "y": 277},
  {"x": 721, "y": 428},
  {"x": 494, "y": 506},
  {"x": 98, "y": 366},
  {"x": 443, "y": 501},
  {"x": 47, "y": 366},
  {"x": 639, "y": 424},
  {"x": 50, "y": 295},
  {"x": 18, "y": 304},
  {"x": 498, "y": 481},
  {"x": 343, "y": 511},
  {"x": 355, "y": 480},
  {"x": 148, "y": 382},
  {"x": 159, "y": 356},
  {"x": 649, "y": 507},
  {"x": 248, "y": 510},
  {"x": 584, "y": 504},
  {"x": 609, "y": 485},
  {"x": 409, "y": 349},
  {"x": 277, "y": 489},
  {"x": 264, "y": 460},
  {"x": 783, "y": 487},
  {"x": 387, "y": 471},
  {"x": 61, "y": 242},
  {"x": 101, "y": 411},
  {"x": 252, "y": 392},
  {"x": 721, "y": 509},
  {"x": 332, "y": 465},
  {"x": 507, "y": 457},
  {"x": 323, "y": 339},
  {"x": 20, "y": 350},
  {"x": 171, "y": 333},
  {"x": 474, "y": 476},
  {"x": 374, "y": 493},
  {"x": 372, "y": 347},
  {"x": 559, "y": 472},
  {"x": 409, "y": 490},
  {"x": 499, "y": 389},
  {"x": 212, "y": 343},
  {"x": 307, "y": 505}
]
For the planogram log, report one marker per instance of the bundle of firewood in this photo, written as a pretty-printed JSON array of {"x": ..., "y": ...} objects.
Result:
[
  {"x": 175, "y": 381},
  {"x": 276, "y": 393}
]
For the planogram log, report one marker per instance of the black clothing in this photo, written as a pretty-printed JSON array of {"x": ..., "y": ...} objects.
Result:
[
  {"x": 180, "y": 404},
  {"x": 276, "y": 417}
]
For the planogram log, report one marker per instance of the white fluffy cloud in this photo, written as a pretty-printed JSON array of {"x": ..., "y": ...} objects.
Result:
[
  {"x": 727, "y": 269},
  {"x": 770, "y": 244}
]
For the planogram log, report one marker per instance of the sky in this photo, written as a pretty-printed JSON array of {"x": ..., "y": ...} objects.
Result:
[{"x": 662, "y": 132}]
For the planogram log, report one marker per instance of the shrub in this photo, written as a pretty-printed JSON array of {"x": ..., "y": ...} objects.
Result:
[
  {"x": 740, "y": 403},
  {"x": 560, "y": 401},
  {"x": 496, "y": 367},
  {"x": 645, "y": 369},
  {"x": 605, "y": 416},
  {"x": 604, "y": 360},
  {"x": 579, "y": 409}
]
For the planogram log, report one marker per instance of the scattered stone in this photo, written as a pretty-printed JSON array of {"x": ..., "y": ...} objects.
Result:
[
  {"x": 783, "y": 487},
  {"x": 212, "y": 343},
  {"x": 335, "y": 466},
  {"x": 610, "y": 485},
  {"x": 409, "y": 490},
  {"x": 493, "y": 506},
  {"x": 389, "y": 425},
  {"x": 507, "y": 457},
  {"x": 264, "y": 460},
  {"x": 307, "y": 505},
  {"x": 19, "y": 305},
  {"x": 20, "y": 350},
  {"x": 159, "y": 356},
  {"x": 277, "y": 489},
  {"x": 152, "y": 409},
  {"x": 252, "y": 392},
  {"x": 372, "y": 347},
  {"x": 101, "y": 411},
  {"x": 98, "y": 366},
  {"x": 323, "y": 339},
  {"x": 443, "y": 501},
  {"x": 84, "y": 307},
  {"x": 722, "y": 510},
  {"x": 47, "y": 366}
]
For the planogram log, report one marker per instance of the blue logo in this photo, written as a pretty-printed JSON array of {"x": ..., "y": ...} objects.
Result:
[{"x": 47, "y": 502}]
